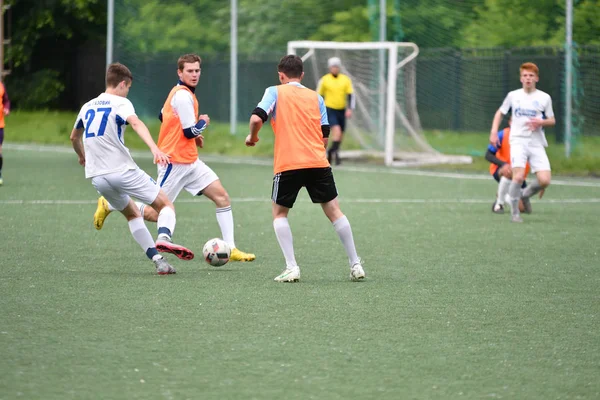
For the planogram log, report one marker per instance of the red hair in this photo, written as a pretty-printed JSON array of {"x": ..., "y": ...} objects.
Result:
[{"x": 530, "y": 67}]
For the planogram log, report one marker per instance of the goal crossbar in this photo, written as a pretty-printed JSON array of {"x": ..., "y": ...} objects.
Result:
[{"x": 312, "y": 45}]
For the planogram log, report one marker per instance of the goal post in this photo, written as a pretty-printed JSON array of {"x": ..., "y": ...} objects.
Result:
[{"x": 385, "y": 122}]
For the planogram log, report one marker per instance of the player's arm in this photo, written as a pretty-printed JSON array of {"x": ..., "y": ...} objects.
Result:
[
  {"x": 495, "y": 125},
  {"x": 325, "y": 128},
  {"x": 260, "y": 115},
  {"x": 6, "y": 102},
  {"x": 351, "y": 99},
  {"x": 490, "y": 156},
  {"x": 76, "y": 142},
  {"x": 502, "y": 111},
  {"x": 256, "y": 123},
  {"x": 140, "y": 128},
  {"x": 504, "y": 168},
  {"x": 320, "y": 88},
  {"x": 535, "y": 123},
  {"x": 183, "y": 104}
]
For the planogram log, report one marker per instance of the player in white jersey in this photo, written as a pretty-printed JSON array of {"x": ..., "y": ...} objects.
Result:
[
  {"x": 108, "y": 163},
  {"x": 180, "y": 135},
  {"x": 531, "y": 113}
]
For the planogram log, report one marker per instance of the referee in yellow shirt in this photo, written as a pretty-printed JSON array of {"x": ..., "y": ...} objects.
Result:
[{"x": 336, "y": 89}]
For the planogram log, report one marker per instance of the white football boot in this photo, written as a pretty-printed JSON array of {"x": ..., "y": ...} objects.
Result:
[
  {"x": 163, "y": 267},
  {"x": 357, "y": 272},
  {"x": 289, "y": 275}
]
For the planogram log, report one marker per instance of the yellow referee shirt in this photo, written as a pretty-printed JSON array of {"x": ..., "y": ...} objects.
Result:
[{"x": 335, "y": 90}]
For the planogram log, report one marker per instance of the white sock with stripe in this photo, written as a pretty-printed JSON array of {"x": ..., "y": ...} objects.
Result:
[
  {"x": 225, "y": 220},
  {"x": 286, "y": 241},
  {"x": 166, "y": 223},
  {"x": 140, "y": 207},
  {"x": 142, "y": 235}
]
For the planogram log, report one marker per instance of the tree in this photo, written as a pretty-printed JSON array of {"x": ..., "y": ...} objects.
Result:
[
  {"x": 586, "y": 23},
  {"x": 435, "y": 23},
  {"x": 151, "y": 27},
  {"x": 513, "y": 23},
  {"x": 45, "y": 38}
]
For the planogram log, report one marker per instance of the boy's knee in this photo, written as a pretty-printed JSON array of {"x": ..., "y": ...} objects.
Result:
[{"x": 544, "y": 182}]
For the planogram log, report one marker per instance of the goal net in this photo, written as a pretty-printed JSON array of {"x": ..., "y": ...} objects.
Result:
[{"x": 385, "y": 122}]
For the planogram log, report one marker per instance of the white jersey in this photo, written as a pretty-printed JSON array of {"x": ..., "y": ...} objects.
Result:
[
  {"x": 525, "y": 106},
  {"x": 103, "y": 120}
]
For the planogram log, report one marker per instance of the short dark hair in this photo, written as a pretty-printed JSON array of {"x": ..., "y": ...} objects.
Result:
[
  {"x": 291, "y": 66},
  {"x": 188, "y": 58},
  {"x": 117, "y": 73}
]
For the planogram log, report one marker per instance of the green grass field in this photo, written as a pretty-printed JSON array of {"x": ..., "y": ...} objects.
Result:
[
  {"x": 54, "y": 127},
  {"x": 458, "y": 302}
]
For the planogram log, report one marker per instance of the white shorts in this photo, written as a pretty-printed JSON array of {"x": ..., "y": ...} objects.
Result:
[
  {"x": 194, "y": 178},
  {"x": 118, "y": 186},
  {"x": 520, "y": 153}
]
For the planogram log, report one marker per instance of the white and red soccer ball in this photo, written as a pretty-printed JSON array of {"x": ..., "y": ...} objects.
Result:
[{"x": 216, "y": 252}]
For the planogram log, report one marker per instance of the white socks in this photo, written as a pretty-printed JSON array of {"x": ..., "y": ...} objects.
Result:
[
  {"x": 514, "y": 191},
  {"x": 532, "y": 189},
  {"x": 142, "y": 235},
  {"x": 225, "y": 220},
  {"x": 166, "y": 222},
  {"x": 286, "y": 241},
  {"x": 502, "y": 190},
  {"x": 344, "y": 231}
]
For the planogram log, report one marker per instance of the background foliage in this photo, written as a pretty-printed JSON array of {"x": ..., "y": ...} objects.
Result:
[{"x": 46, "y": 38}]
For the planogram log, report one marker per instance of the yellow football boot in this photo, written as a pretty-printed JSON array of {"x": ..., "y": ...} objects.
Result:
[
  {"x": 101, "y": 213},
  {"x": 238, "y": 255}
]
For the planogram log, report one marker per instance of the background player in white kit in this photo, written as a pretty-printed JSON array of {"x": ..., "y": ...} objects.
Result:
[
  {"x": 108, "y": 163},
  {"x": 531, "y": 112}
]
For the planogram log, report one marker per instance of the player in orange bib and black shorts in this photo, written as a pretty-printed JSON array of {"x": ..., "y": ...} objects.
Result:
[{"x": 299, "y": 120}]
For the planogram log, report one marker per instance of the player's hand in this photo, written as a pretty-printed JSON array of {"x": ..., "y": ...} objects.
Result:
[
  {"x": 200, "y": 141},
  {"x": 6, "y": 111},
  {"x": 494, "y": 138},
  {"x": 205, "y": 118},
  {"x": 542, "y": 193},
  {"x": 348, "y": 113},
  {"x": 82, "y": 161},
  {"x": 250, "y": 142},
  {"x": 535, "y": 123},
  {"x": 160, "y": 158}
]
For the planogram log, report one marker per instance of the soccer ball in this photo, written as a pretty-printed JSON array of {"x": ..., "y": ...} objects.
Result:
[{"x": 216, "y": 252}]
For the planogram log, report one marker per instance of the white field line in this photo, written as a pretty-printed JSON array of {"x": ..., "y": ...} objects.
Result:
[
  {"x": 218, "y": 159},
  {"x": 342, "y": 200}
]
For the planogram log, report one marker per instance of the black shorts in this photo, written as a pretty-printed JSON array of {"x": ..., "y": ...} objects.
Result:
[
  {"x": 1, "y": 135},
  {"x": 318, "y": 182},
  {"x": 496, "y": 176},
  {"x": 336, "y": 117}
]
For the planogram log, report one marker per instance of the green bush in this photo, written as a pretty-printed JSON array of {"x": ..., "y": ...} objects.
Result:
[{"x": 37, "y": 91}]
